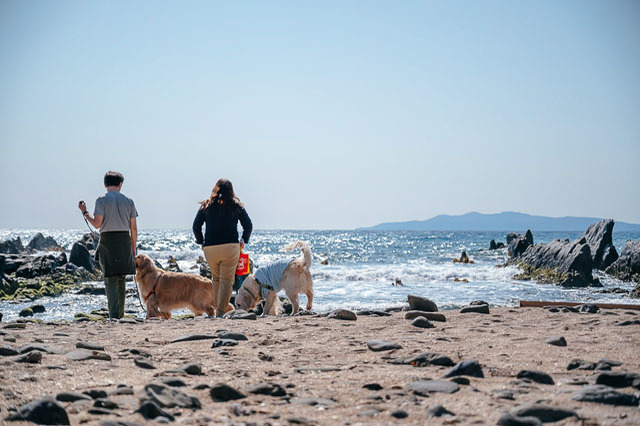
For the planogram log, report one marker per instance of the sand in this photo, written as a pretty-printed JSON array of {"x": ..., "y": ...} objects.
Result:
[{"x": 322, "y": 364}]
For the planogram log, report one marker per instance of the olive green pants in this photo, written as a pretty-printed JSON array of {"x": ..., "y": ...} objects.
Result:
[{"x": 116, "y": 290}]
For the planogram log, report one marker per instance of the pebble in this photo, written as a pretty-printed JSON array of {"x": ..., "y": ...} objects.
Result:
[
  {"x": 241, "y": 315},
  {"x": 604, "y": 395},
  {"x": 15, "y": 325},
  {"x": 425, "y": 387},
  {"x": 174, "y": 382},
  {"x": 142, "y": 362},
  {"x": 373, "y": 386},
  {"x": 544, "y": 413},
  {"x": 221, "y": 392},
  {"x": 589, "y": 308},
  {"x": 505, "y": 394},
  {"x": 270, "y": 389},
  {"x": 95, "y": 393},
  {"x": 431, "y": 316},
  {"x": 90, "y": 346},
  {"x": 313, "y": 402},
  {"x": 628, "y": 322},
  {"x": 191, "y": 369},
  {"x": 461, "y": 380},
  {"x": 373, "y": 313},
  {"x": 343, "y": 314},
  {"x": 8, "y": 351},
  {"x": 470, "y": 367},
  {"x": 151, "y": 410},
  {"x": 556, "y": 341},
  {"x": 478, "y": 309},
  {"x": 536, "y": 376},
  {"x": 41, "y": 348},
  {"x": 228, "y": 335},
  {"x": 399, "y": 414},
  {"x": 193, "y": 337},
  {"x": 418, "y": 303},
  {"x": 508, "y": 419},
  {"x": 169, "y": 397},
  {"x": 224, "y": 342},
  {"x": 438, "y": 411},
  {"x": 33, "y": 357},
  {"x": 45, "y": 412},
  {"x": 127, "y": 321},
  {"x": 424, "y": 359},
  {"x": 71, "y": 397},
  {"x": 84, "y": 354},
  {"x": 105, "y": 403},
  {"x": 422, "y": 322},
  {"x": 381, "y": 345},
  {"x": 135, "y": 351}
]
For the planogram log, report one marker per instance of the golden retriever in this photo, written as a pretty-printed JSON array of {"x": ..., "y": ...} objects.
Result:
[
  {"x": 164, "y": 291},
  {"x": 296, "y": 279}
]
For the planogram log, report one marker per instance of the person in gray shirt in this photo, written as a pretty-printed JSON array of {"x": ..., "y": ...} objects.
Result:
[{"x": 115, "y": 215}]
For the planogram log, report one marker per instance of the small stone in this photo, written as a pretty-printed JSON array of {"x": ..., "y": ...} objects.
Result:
[
  {"x": 618, "y": 379},
  {"x": 508, "y": 419},
  {"x": 544, "y": 413},
  {"x": 589, "y": 308},
  {"x": 15, "y": 326},
  {"x": 151, "y": 410},
  {"x": 96, "y": 393},
  {"x": 72, "y": 397},
  {"x": 536, "y": 376},
  {"x": 343, "y": 314},
  {"x": 270, "y": 389},
  {"x": 41, "y": 348},
  {"x": 505, "y": 394},
  {"x": 622, "y": 323},
  {"x": 604, "y": 395},
  {"x": 425, "y": 358},
  {"x": 581, "y": 364},
  {"x": 85, "y": 354},
  {"x": 399, "y": 414},
  {"x": 221, "y": 392},
  {"x": 105, "y": 403},
  {"x": 33, "y": 357},
  {"x": 193, "y": 337},
  {"x": 469, "y": 367},
  {"x": 174, "y": 382},
  {"x": 127, "y": 321},
  {"x": 479, "y": 309},
  {"x": 557, "y": 341},
  {"x": 438, "y": 411},
  {"x": 381, "y": 345},
  {"x": 431, "y": 316},
  {"x": 422, "y": 322},
  {"x": 418, "y": 303},
  {"x": 8, "y": 351},
  {"x": 90, "y": 346},
  {"x": 224, "y": 342},
  {"x": 228, "y": 335},
  {"x": 461, "y": 380},
  {"x": 45, "y": 412},
  {"x": 373, "y": 386},
  {"x": 425, "y": 387},
  {"x": 191, "y": 369},
  {"x": 142, "y": 362},
  {"x": 241, "y": 315},
  {"x": 169, "y": 397}
]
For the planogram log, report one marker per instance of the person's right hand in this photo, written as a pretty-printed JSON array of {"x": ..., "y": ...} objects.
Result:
[{"x": 82, "y": 206}]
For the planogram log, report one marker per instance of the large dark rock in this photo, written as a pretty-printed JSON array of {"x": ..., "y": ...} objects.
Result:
[
  {"x": 627, "y": 267},
  {"x": 599, "y": 237},
  {"x": 12, "y": 246},
  {"x": 512, "y": 236},
  {"x": 418, "y": 303},
  {"x": 41, "y": 265},
  {"x": 43, "y": 412},
  {"x": 518, "y": 245},
  {"x": 470, "y": 367},
  {"x": 568, "y": 264},
  {"x": 80, "y": 256},
  {"x": 41, "y": 243},
  {"x": 604, "y": 395}
]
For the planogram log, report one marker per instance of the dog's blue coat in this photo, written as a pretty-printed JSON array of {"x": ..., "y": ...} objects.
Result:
[{"x": 271, "y": 275}]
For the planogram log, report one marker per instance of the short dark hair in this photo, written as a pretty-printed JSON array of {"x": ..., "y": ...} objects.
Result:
[{"x": 113, "y": 178}]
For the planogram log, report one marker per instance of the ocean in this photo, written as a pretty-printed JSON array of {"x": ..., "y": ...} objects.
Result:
[{"x": 362, "y": 265}]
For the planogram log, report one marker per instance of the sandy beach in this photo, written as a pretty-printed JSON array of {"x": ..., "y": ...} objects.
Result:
[{"x": 321, "y": 369}]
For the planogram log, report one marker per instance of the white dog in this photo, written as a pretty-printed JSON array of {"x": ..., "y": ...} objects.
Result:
[{"x": 292, "y": 275}]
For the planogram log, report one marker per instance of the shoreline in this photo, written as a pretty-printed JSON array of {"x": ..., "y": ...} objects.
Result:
[{"x": 318, "y": 366}]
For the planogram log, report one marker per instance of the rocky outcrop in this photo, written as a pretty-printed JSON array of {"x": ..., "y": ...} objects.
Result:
[
  {"x": 41, "y": 243},
  {"x": 495, "y": 246},
  {"x": 599, "y": 236},
  {"x": 464, "y": 258},
  {"x": 518, "y": 244},
  {"x": 512, "y": 236},
  {"x": 627, "y": 266},
  {"x": 12, "y": 246},
  {"x": 41, "y": 265},
  {"x": 83, "y": 253},
  {"x": 172, "y": 265}
]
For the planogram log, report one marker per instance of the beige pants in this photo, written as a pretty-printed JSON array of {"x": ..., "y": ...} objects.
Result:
[{"x": 223, "y": 260}]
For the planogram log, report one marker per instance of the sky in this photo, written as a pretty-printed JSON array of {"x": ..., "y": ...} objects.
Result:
[{"x": 324, "y": 115}]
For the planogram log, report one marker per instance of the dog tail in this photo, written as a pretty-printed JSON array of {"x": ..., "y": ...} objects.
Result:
[{"x": 306, "y": 251}]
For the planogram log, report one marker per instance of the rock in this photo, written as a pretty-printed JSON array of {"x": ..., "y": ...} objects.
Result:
[
  {"x": 589, "y": 308},
  {"x": 536, "y": 376},
  {"x": 618, "y": 379},
  {"x": 151, "y": 410},
  {"x": 41, "y": 348},
  {"x": 464, "y": 258},
  {"x": 43, "y": 412},
  {"x": 142, "y": 362},
  {"x": 560, "y": 262},
  {"x": 84, "y": 354},
  {"x": 41, "y": 243},
  {"x": 422, "y": 322},
  {"x": 33, "y": 357},
  {"x": 373, "y": 386},
  {"x": 172, "y": 265},
  {"x": 373, "y": 313},
  {"x": 242, "y": 315},
  {"x": 221, "y": 392},
  {"x": 460, "y": 380},
  {"x": 425, "y": 387},
  {"x": 417, "y": 303},
  {"x": 224, "y": 342},
  {"x": 343, "y": 314},
  {"x": 479, "y": 309},
  {"x": 599, "y": 237},
  {"x": 604, "y": 395},
  {"x": 325, "y": 262},
  {"x": 95, "y": 393},
  {"x": 470, "y": 367},
  {"x": 8, "y": 351},
  {"x": 556, "y": 341},
  {"x": 518, "y": 245},
  {"x": 544, "y": 413},
  {"x": 439, "y": 410},
  {"x": 105, "y": 403},
  {"x": 193, "y": 337},
  {"x": 90, "y": 346},
  {"x": 72, "y": 397},
  {"x": 168, "y": 397},
  {"x": 41, "y": 265},
  {"x": 228, "y": 335},
  {"x": 12, "y": 246},
  {"x": 508, "y": 419},
  {"x": 431, "y": 316},
  {"x": 627, "y": 267},
  {"x": 15, "y": 325},
  {"x": 425, "y": 358},
  {"x": 174, "y": 382},
  {"x": 493, "y": 245},
  {"x": 192, "y": 369},
  {"x": 26, "y": 312},
  {"x": 270, "y": 389},
  {"x": 380, "y": 345},
  {"x": 80, "y": 256},
  {"x": 399, "y": 414}
]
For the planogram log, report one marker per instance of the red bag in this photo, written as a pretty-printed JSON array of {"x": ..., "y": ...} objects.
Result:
[{"x": 243, "y": 265}]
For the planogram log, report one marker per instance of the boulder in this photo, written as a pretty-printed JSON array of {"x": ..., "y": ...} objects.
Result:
[
  {"x": 41, "y": 243},
  {"x": 568, "y": 264},
  {"x": 493, "y": 245},
  {"x": 12, "y": 246},
  {"x": 599, "y": 237},
  {"x": 512, "y": 236},
  {"x": 518, "y": 245},
  {"x": 41, "y": 265},
  {"x": 43, "y": 412},
  {"x": 627, "y": 266},
  {"x": 80, "y": 256},
  {"x": 418, "y": 303},
  {"x": 464, "y": 258}
]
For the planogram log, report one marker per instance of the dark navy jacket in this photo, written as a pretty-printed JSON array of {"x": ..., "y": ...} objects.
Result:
[{"x": 221, "y": 225}]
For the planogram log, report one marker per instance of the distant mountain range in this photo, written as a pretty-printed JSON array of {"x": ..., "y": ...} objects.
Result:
[{"x": 505, "y": 221}]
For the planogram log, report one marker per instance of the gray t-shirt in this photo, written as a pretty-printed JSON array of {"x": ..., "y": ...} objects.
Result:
[{"x": 117, "y": 211}]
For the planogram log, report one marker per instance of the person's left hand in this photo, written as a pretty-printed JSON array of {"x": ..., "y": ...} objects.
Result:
[{"x": 82, "y": 206}]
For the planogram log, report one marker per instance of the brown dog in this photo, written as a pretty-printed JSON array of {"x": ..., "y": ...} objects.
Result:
[{"x": 164, "y": 291}]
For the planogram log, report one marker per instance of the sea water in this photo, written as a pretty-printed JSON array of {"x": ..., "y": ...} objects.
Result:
[{"x": 362, "y": 265}]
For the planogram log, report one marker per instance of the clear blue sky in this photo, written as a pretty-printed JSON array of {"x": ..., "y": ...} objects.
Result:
[{"x": 323, "y": 114}]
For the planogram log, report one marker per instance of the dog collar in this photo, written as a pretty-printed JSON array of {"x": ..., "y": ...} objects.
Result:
[{"x": 153, "y": 291}]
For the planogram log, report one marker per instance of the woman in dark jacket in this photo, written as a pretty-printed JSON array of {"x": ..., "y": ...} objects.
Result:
[{"x": 221, "y": 213}]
